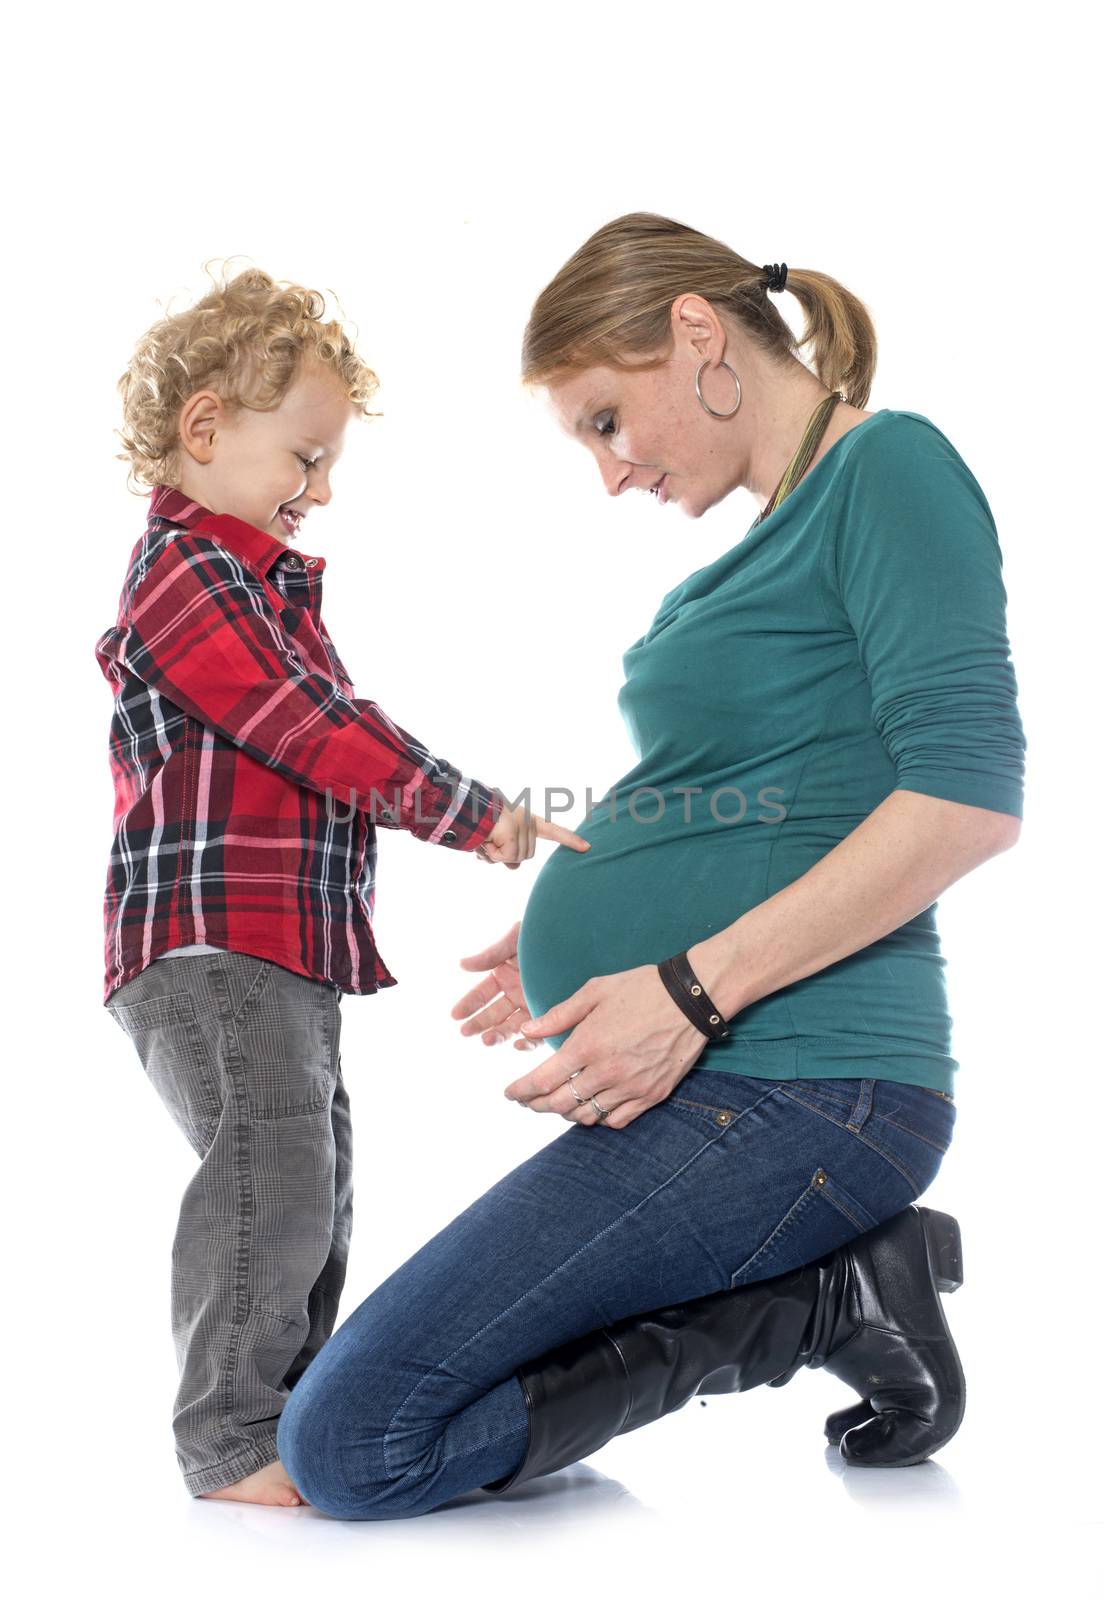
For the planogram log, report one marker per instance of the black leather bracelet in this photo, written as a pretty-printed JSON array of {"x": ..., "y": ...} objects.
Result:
[
  {"x": 688, "y": 993},
  {"x": 692, "y": 984}
]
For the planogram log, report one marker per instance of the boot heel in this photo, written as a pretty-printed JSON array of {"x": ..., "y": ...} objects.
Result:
[{"x": 944, "y": 1243}]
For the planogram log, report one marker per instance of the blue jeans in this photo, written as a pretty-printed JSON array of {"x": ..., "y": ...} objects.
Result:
[{"x": 414, "y": 1401}]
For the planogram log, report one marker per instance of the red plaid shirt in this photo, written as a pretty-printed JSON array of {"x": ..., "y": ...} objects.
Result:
[{"x": 248, "y": 777}]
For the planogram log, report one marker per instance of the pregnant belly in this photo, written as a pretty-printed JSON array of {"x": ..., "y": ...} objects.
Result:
[
  {"x": 626, "y": 904},
  {"x": 634, "y": 898}
]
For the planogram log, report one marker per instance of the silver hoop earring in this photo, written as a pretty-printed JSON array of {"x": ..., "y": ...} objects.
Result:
[{"x": 704, "y": 401}]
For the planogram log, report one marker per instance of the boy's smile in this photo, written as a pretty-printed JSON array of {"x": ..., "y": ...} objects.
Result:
[{"x": 267, "y": 467}]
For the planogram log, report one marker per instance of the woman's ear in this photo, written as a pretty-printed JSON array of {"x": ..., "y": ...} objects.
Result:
[{"x": 696, "y": 327}]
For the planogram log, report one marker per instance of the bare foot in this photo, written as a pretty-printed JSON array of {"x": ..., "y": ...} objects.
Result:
[{"x": 268, "y": 1486}]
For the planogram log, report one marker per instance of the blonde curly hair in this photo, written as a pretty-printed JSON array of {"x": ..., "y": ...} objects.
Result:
[{"x": 246, "y": 339}]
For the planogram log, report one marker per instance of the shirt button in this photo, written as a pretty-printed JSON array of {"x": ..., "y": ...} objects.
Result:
[
  {"x": 294, "y": 563},
  {"x": 449, "y": 836}
]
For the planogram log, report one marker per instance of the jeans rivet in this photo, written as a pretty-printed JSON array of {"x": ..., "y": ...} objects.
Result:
[{"x": 723, "y": 1118}]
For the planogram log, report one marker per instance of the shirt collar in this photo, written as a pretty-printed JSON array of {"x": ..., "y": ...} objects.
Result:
[{"x": 253, "y": 545}]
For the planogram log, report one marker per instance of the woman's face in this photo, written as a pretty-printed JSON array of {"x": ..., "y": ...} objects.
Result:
[{"x": 647, "y": 429}]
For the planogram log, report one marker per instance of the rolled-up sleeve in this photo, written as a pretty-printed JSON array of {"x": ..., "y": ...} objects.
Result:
[
  {"x": 913, "y": 558},
  {"x": 203, "y": 633}
]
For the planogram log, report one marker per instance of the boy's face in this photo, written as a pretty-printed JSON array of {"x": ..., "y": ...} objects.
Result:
[{"x": 269, "y": 468}]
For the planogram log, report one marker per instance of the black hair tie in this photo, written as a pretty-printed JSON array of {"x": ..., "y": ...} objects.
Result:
[{"x": 776, "y": 277}]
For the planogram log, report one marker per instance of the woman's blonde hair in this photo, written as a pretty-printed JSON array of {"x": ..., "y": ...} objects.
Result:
[
  {"x": 613, "y": 299},
  {"x": 246, "y": 339}
]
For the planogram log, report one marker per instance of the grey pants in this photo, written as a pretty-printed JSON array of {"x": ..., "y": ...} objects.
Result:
[{"x": 244, "y": 1054}]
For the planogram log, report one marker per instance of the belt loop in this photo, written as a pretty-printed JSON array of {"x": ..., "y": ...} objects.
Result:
[
  {"x": 216, "y": 977},
  {"x": 863, "y": 1105}
]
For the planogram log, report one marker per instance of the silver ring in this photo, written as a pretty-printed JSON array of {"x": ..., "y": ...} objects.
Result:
[
  {"x": 580, "y": 1099},
  {"x": 705, "y": 402},
  {"x": 600, "y": 1110}
]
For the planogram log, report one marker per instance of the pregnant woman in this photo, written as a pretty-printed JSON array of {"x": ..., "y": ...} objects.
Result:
[{"x": 742, "y": 977}]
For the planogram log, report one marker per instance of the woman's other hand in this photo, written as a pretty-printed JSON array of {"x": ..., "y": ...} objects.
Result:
[
  {"x": 513, "y": 839},
  {"x": 496, "y": 1007},
  {"x": 630, "y": 1046}
]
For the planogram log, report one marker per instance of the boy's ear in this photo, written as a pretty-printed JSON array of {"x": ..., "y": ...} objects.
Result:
[{"x": 200, "y": 415}]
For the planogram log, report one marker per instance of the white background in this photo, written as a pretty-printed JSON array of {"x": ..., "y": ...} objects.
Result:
[{"x": 434, "y": 167}]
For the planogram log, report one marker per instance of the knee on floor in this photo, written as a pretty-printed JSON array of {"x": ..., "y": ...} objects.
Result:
[{"x": 335, "y": 1474}]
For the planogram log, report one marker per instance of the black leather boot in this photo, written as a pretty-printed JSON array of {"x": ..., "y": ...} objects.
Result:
[
  {"x": 901, "y": 1359},
  {"x": 869, "y": 1312}
]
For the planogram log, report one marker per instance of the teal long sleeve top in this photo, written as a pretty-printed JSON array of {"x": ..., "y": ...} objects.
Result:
[{"x": 852, "y": 643}]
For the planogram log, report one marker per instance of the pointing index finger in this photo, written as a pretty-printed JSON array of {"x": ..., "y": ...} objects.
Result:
[{"x": 553, "y": 830}]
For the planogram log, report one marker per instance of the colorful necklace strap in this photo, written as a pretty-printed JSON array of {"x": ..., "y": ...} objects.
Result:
[{"x": 802, "y": 456}]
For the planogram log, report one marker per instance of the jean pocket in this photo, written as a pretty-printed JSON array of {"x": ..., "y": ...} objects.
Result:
[
  {"x": 928, "y": 1116},
  {"x": 717, "y": 1099},
  {"x": 824, "y": 1216},
  {"x": 175, "y": 1057},
  {"x": 699, "y": 1113},
  {"x": 906, "y": 1125}
]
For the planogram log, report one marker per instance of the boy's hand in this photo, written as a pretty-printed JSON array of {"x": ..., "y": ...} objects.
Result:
[{"x": 513, "y": 838}]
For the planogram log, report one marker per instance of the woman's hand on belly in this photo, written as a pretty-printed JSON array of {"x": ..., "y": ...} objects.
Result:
[
  {"x": 496, "y": 1007},
  {"x": 630, "y": 1046}
]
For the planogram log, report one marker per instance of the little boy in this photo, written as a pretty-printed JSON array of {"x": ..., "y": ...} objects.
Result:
[{"x": 248, "y": 781}]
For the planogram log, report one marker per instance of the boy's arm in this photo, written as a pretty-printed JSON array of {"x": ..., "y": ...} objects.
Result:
[
  {"x": 203, "y": 633},
  {"x": 385, "y": 815}
]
